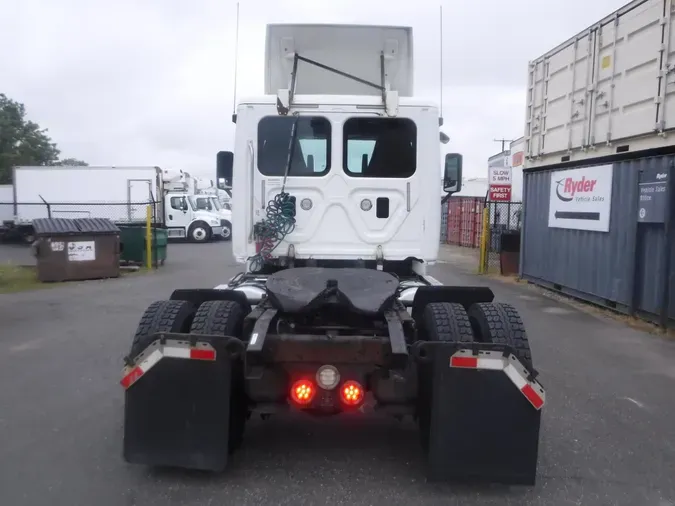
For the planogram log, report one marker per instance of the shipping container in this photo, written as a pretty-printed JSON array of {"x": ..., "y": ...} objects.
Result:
[
  {"x": 608, "y": 90},
  {"x": 611, "y": 249},
  {"x": 465, "y": 217}
]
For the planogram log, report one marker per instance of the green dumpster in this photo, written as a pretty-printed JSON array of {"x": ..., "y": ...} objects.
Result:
[{"x": 132, "y": 240}]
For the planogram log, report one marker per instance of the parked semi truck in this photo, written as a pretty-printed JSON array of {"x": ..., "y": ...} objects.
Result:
[
  {"x": 118, "y": 193},
  {"x": 335, "y": 310}
]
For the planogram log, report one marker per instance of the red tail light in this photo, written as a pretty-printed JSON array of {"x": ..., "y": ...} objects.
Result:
[
  {"x": 351, "y": 393},
  {"x": 302, "y": 392}
]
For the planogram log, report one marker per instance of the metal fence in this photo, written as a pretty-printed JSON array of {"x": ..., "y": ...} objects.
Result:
[
  {"x": 121, "y": 213},
  {"x": 505, "y": 217},
  {"x": 16, "y": 218},
  {"x": 462, "y": 225}
]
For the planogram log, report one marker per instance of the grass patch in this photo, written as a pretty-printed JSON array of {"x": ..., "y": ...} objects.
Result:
[
  {"x": 18, "y": 278},
  {"x": 21, "y": 278}
]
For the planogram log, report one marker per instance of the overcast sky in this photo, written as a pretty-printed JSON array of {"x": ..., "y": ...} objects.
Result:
[{"x": 150, "y": 82}]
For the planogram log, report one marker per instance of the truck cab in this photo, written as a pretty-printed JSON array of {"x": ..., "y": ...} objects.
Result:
[
  {"x": 186, "y": 219},
  {"x": 357, "y": 154}
]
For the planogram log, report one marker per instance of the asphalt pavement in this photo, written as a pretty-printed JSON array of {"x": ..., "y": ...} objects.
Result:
[{"x": 608, "y": 429}]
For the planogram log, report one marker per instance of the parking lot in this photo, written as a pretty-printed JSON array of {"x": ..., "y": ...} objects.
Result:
[{"x": 608, "y": 430}]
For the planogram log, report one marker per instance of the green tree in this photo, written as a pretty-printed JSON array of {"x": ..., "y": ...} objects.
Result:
[
  {"x": 72, "y": 162},
  {"x": 22, "y": 142}
]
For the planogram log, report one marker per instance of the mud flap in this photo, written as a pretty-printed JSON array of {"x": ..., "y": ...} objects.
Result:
[
  {"x": 177, "y": 403},
  {"x": 485, "y": 414}
]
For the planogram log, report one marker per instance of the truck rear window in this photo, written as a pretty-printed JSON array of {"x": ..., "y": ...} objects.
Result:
[
  {"x": 380, "y": 147},
  {"x": 311, "y": 155}
]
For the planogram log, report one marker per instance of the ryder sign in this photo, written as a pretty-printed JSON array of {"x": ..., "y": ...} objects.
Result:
[{"x": 581, "y": 198}]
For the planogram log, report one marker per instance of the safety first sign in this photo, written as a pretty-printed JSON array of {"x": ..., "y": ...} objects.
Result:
[{"x": 499, "y": 177}]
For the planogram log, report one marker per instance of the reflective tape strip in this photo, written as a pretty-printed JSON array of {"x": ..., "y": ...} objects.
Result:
[
  {"x": 155, "y": 352},
  {"x": 473, "y": 362},
  {"x": 141, "y": 368},
  {"x": 495, "y": 361}
]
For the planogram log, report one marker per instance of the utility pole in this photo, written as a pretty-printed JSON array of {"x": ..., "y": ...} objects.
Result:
[{"x": 503, "y": 141}]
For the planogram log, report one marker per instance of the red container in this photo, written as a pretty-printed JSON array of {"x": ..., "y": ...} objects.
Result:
[{"x": 465, "y": 216}]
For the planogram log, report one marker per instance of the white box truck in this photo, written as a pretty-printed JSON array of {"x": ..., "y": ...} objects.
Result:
[
  {"x": 121, "y": 194},
  {"x": 606, "y": 91}
]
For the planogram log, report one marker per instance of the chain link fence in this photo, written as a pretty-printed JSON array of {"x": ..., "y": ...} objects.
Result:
[
  {"x": 505, "y": 219},
  {"x": 121, "y": 213},
  {"x": 16, "y": 218}
]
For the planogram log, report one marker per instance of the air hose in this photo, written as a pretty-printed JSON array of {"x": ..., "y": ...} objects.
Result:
[
  {"x": 280, "y": 214},
  {"x": 270, "y": 231}
]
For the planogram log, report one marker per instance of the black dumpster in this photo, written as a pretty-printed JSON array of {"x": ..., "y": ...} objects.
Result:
[
  {"x": 509, "y": 252},
  {"x": 76, "y": 249}
]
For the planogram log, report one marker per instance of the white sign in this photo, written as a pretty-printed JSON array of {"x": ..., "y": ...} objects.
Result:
[
  {"x": 81, "y": 251},
  {"x": 499, "y": 175},
  {"x": 581, "y": 199},
  {"x": 57, "y": 246}
]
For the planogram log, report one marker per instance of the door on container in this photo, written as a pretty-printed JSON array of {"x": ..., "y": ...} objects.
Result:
[
  {"x": 356, "y": 206},
  {"x": 139, "y": 196},
  {"x": 628, "y": 65}
]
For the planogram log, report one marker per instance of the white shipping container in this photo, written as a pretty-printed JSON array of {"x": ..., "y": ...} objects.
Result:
[
  {"x": 116, "y": 193},
  {"x": 609, "y": 89},
  {"x": 6, "y": 203}
]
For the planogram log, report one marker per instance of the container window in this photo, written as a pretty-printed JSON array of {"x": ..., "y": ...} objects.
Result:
[
  {"x": 380, "y": 147},
  {"x": 311, "y": 153}
]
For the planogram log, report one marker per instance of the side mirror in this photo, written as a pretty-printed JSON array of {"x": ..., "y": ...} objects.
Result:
[
  {"x": 183, "y": 204},
  {"x": 452, "y": 174},
  {"x": 310, "y": 163},
  {"x": 224, "y": 162}
]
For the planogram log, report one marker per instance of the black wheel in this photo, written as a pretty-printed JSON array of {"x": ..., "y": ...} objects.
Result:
[
  {"x": 161, "y": 316},
  {"x": 447, "y": 322},
  {"x": 199, "y": 232},
  {"x": 499, "y": 323},
  {"x": 442, "y": 321},
  {"x": 226, "y": 318},
  {"x": 227, "y": 231}
]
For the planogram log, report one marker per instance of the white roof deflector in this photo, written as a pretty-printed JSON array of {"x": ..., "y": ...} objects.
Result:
[{"x": 338, "y": 60}]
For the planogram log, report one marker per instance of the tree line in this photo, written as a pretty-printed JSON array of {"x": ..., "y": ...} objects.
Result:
[{"x": 23, "y": 142}]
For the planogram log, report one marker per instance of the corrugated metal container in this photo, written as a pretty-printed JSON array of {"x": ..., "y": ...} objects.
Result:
[
  {"x": 76, "y": 249},
  {"x": 444, "y": 222},
  {"x": 607, "y": 90},
  {"x": 621, "y": 268},
  {"x": 465, "y": 216}
]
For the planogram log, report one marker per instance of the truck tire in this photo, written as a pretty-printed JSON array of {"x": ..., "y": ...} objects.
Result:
[
  {"x": 226, "y": 318},
  {"x": 442, "y": 321},
  {"x": 447, "y": 322},
  {"x": 199, "y": 231},
  {"x": 499, "y": 323},
  {"x": 161, "y": 316},
  {"x": 227, "y": 231}
]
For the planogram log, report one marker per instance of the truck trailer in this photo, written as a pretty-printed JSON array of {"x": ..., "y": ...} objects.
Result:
[
  {"x": 120, "y": 194},
  {"x": 337, "y": 220}
]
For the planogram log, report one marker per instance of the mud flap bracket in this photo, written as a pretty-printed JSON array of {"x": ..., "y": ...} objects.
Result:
[
  {"x": 485, "y": 413},
  {"x": 177, "y": 402}
]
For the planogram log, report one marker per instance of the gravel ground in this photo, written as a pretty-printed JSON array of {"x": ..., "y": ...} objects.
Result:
[{"x": 608, "y": 436}]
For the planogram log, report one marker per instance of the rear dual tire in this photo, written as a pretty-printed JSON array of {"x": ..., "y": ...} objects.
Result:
[
  {"x": 491, "y": 322},
  {"x": 225, "y": 318}
]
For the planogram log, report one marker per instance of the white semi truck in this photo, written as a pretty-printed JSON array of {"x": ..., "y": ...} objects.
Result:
[
  {"x": 336, "y": 222},
  {"x": 121, "y": 194}
]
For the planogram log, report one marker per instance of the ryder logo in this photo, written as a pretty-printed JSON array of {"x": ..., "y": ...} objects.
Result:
[{"x": 569, "y": 188}]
